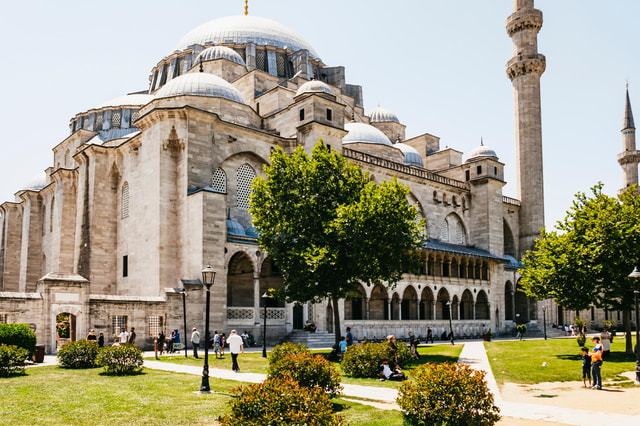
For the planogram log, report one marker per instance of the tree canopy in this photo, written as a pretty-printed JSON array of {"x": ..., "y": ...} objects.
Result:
[
  {"x": 329, "y": 227},
  {"x": 587, "y": 260}
]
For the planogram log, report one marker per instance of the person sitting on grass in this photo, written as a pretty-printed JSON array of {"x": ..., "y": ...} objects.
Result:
[{"x": 387, "y": 374}]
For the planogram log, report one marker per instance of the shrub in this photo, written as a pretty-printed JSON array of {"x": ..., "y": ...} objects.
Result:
[
  {"x": 121, "y": 360},
  {"x": 280, "y": 402},
  {"x": 78, "y": 354},
  {"x": 309, "y": 371},
  {"x": 19, "y": 335},
  {"x": 287, "y": 348},
  {"x": 12, "y": 360},
  {"x": 364, "y": 360},
  {"x": 450, "y": 393}
]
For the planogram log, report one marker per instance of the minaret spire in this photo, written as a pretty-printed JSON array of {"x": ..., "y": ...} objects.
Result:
[
  {"x": 524, "y": 71},
  {"x": 246, "y": 7},
  {"x": 629, "y": 157}
]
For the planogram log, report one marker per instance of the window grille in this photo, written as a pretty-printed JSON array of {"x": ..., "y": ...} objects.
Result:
[
  {"x": 125, "y": 200},
  {"x": 118, "y": 322},
  {"x": 246, "y": 174},
  {"x": 155, "y": 324},
  {"x": 4, "y": 318},
  {"x": 219, "y": 181},
  {"x": 116, "y": 120},
  {"x": 99, "y": 120},
  {"x": 280, "y": 64},
  {"x": 261, "y": 60},
  {"x": 134, "y": 116},
  {"x": 444, "y": 232}
]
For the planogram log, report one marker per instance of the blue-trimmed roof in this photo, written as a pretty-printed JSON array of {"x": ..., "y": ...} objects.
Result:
[
  {"x": 442, "y": 247},
  {"x": 512, "y": 263}
]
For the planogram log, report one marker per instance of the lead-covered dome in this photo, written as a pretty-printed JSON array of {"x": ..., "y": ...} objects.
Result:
[
  {"x": 364, "y": 133},
  {"x": 219, "y": 52},
  {"x": 200, "y": 84},
  {"x": 411, "y": 155},
  {"x": 382, "y": 115},
  {"x": 482, "y": 151},
  {"x": 242, "y": 30},
  {"x": 315, "y": 86},
  {"x": 37, "y": 182}
]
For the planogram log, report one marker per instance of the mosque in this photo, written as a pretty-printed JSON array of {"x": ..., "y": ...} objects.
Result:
[{"x": 152, "y": 186}]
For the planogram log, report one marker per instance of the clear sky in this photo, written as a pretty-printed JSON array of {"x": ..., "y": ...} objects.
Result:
[{"x": 438, "y": 65}]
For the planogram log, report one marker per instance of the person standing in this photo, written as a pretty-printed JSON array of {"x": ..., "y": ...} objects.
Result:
[
  {"x": 92, "y": 336},
  {"x": 349, "y": 337},
  {"x": 596, "y": 363},
  {"x": 161, "y": 341},
  {"x": 195, "y": 341},
  {"x": 413, "y": 345},
  {"x": 101, "y": 340},
  {"x": 429, "y": 334},
  {"x": 236, "y": 347},
  {"x": 391, "y": 341},
  {"x": 124, "y": 336},
  {"x": 132, "y": 336},
  {"x": 586, "y": 367},
  {"x": 605, "y": 338}
]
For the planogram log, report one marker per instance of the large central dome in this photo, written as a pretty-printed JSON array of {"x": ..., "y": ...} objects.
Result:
[{"x": 245, "y": 29}]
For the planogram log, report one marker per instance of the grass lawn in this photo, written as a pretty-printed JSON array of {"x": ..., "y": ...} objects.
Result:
[
  {"x": 57, "y": 396},
  {"x": 521, "y": 361}
]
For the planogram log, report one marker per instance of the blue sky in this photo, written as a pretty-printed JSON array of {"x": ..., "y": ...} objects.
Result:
[{"x": 439, "y": 65}]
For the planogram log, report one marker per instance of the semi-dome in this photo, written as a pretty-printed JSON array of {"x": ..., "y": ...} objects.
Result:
[
  {"x": 382, "y": 115},
  {"x": 242, "y": 30},
  {"x": 219, "y": 52},
  {"x": 364, "y": 133},
  {"x": 315, "y": 86},
  {"x": 133, "y": 99},
  {"x": 234, "y": 228},
  {"x": 37, "y": 182},
  {"x": 482, "y": 151},
  {"x": 200, "y": 84},
  {"x": 411, "y": 155}
]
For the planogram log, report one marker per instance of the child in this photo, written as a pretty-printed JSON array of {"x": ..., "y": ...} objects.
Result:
[
  {"x": 586, "y": 367},
  {"x": 342, "y": 347}
]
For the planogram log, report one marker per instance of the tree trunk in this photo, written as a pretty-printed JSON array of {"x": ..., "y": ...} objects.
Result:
[
  {"x": 626, "y": 320},
  {"x": 336, "y": 319}
]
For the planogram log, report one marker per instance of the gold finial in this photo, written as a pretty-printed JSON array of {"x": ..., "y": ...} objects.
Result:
[
  {"x": 246, "y": 7},
  {"x": 626, "y": 84}
]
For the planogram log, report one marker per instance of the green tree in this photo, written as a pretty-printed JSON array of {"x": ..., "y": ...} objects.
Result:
[
  {"x": 587, "y": 260},
  {"x": 329, "y": 227}
]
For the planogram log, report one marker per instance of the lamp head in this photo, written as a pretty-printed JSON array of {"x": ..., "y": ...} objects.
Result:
[{"x": 208, "y": 276}]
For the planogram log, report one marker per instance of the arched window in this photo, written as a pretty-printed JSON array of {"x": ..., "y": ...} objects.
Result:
[
  {"x": 125, "y": 201},
  {"x": 246, "y": 174},
  {"x": 51, "y": 210},
  {"x": 219, "y": 181},
  {"x": 444, "y": 232}
]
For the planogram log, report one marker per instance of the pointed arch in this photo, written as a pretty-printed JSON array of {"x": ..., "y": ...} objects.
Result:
[
  {"x": 426, "y": 304},
  {"x": 354, "y": 305},
  {"x": 442, "y": 307},
  {"x": 271, "y": 278},
  {"x": 509, "y": 301},
  {"x": 509, "y": 241},
  {"x": 395, "y": 307},
  {"x": 457, "y": 233},
  {"x": 482, "y": 306},
  {"x": 240, "y": 281},
  {"x": 409, "y": 304},
  {"x": 219, "y": 181},
  {"x": 466, "y": 305},
  {"x": 245, "y": 176},
  {"x": 378, "y": 303}
]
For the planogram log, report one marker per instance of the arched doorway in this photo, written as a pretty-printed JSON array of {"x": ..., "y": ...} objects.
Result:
[
  {"x": 378, "y": 306},
  {"x": 409, "y": 304},
  {"x": 395, "y": 307},
  {"x": 65, "y": 328},
  {"x": 442, "y": 308},
  {"x": 466, "y": 306},
  {"x": 426, "y": 304},
  {"x": 354, "y": 305},
  {"x": 482, "y": 306},
  {"x": 508, "y": 301},
  {"x": 240, "y": 281}
]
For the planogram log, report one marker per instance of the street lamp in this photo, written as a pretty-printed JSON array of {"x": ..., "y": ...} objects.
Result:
[
  {"x": 208, "y": 277},
  {"x": 183, "y": 291},
  {"x": 265, "y": 297},
  {"x": 450, "y": 326},
  {"x": 544, "y": 321},
  {"x": 636, "y": 274}
]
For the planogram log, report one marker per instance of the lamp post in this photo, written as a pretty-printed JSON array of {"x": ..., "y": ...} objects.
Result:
[
  {"x": 636, "y": 274},
  {"x": 544, "y": 321},
  {"x": 184, "y": 319},
  {"x": 450, "y": 325},
  {"x": 265, "y": 297},
  {"x": 208, "y": 277}
]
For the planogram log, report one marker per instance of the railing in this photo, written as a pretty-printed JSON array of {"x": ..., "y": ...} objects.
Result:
[{"x": 509, "y": 200}]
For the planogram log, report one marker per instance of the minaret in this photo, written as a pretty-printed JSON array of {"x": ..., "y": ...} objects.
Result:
[
  {"x": 629, "y": 157},
  {"x": 524, "y": 70}
]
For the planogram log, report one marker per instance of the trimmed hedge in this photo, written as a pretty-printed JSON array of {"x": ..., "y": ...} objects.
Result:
[
  {"x": 309, "y": 371},
  {"x": 121, "y": 360},
  {"x": 12, "y": 360},
  {"x": 19, "y": 335},
  {"x": 364, "y": 360},
  {"x": 78, "y": 354},
  {"x": 449, "y": 394},
  {"x": 278, "y": 402}
]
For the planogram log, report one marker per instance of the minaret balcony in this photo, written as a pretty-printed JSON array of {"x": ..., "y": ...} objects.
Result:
[
  {"x": 526, "y": 64},
  {"x": 524, "y": 19},
  {"x": 628, "y": 157}
]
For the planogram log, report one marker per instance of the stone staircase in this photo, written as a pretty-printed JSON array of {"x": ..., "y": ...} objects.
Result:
[{"x": 311, "y": 340}]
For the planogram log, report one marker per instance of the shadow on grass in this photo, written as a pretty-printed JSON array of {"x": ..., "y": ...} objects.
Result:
[{"x": 614, "y": 357}]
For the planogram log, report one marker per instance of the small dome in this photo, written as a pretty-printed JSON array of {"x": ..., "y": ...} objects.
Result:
[
  {"x": 315, "y": 86},
  {"x": 251, "y": 231},
  {"x": 219, "y": 52},
  {"x": 482, "y": 151},
  {"x": 234, "y": 228},
  {"x": 381, "y": 115},
  {"x": 37, "y": 182},
  {"x": 134, "y": 99},
  {"x": 364, "y": 133},
  {"x": 242, "y": 30},
  {"x": 411, "y": 155},
  {"x": 200, "y": 84}
]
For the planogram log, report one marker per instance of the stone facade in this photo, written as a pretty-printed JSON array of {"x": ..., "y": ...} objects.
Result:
[{"x": 150, "y": 187}]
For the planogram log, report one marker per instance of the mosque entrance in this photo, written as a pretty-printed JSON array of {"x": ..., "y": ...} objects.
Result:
[
  {"x": 65, "y": 328},
  {"x": 298, "y": 320}
]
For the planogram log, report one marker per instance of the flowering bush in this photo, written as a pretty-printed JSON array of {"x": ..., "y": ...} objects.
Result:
[
  {"x": 450, "y": 393},
  {"x": 121, "y": 360},
  {"x": 287, "y": 348},
  {"x": 12, "y": 360},
  {"x": 364, "y": 360},
  {"x": 309, "y": 371},
  {"x": 78, "y": 354},
  {"x": 280, "y": 402}
]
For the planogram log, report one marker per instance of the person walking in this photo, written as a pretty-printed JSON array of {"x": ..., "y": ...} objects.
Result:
[
  {"x": 195, "y": 341},
  {"x": 236, "y": 347},
  {"x": 429, "y": 334}
]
